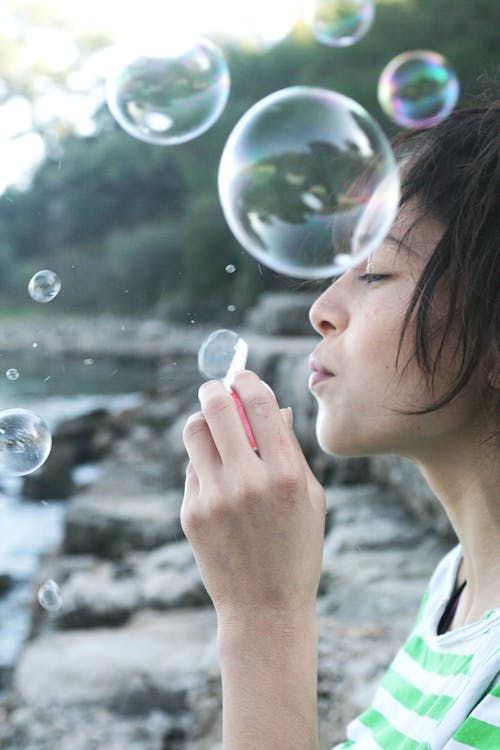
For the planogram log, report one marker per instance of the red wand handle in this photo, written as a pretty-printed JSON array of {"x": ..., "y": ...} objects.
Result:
[{"x": 244, "y": 420}]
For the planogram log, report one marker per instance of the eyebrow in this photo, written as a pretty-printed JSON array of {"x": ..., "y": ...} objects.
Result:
[{"x": 402, "y": 243}]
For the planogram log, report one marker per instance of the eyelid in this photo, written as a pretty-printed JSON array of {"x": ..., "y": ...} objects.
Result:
[{"x": 372, "y": 277}]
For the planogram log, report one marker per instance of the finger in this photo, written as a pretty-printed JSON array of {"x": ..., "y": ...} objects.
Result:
[
  {"x": 200, "y": 446},
  {"x": 268, "y": 425},
  {"x": 224, "y": 423}
]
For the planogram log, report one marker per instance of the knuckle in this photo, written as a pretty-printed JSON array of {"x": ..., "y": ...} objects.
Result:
[{"x": 195, "y": 424}]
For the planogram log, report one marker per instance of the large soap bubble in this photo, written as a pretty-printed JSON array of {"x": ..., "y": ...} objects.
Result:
[
  {"x": 169, "y": 96},
  {"x": 25, "y": 442},
  {"x": 308, "y": 182},
  {"x": 339, "y": 23},
  {"x": 418, "y": 89}
]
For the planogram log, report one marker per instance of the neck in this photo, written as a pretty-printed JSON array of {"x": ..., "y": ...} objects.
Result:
[{"x": 466, "y": 482}]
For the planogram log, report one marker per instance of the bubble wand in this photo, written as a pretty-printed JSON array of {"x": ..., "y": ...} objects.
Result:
[{"x": 220, "y": 356}]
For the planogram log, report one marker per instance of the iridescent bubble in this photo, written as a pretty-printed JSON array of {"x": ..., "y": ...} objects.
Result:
[
  {"x": 221, "y": 354},
  {"x": 308, "y": 182},
  {"x": 339, "y": 23},
  {"x": 44, "y": 286},
  {"x": 25, "y": 442},
  {"x": 169, "y": 97},
  {"x": 418, "y": 89},
  {"x": 49, "y": 596},
  {"x": 12, "y": 374}
]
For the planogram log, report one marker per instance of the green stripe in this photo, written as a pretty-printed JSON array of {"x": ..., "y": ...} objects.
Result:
[
  {"x": 433, "y": 661},
  {"x": 384, "y": 734},
  {"x": 496, "y": 691},
  {"x": 478, "y": 734},
  {"x": 431, "y": 705}
]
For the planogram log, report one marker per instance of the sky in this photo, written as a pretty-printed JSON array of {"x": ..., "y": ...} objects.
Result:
[{"x": 254, "y": 24}]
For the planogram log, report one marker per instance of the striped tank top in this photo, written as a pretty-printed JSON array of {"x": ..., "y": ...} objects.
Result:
[{"x": 441, "y": 692}]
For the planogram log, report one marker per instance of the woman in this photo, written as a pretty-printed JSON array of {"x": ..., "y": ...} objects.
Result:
[{"x": 408, "y": 363}]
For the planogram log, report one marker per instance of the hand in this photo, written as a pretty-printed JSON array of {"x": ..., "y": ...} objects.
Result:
[{"x": 255, "y": 520}]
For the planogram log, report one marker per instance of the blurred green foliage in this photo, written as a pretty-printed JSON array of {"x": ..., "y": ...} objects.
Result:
[{"x": 136, "y": 228}]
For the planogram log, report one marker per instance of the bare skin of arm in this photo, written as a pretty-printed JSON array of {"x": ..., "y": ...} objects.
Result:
[{"x": 256, "y": 525}]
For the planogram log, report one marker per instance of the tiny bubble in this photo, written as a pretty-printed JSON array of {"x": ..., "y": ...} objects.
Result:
[
  {"x": 230, "y": 268},
  {"x": 35, "y": 345},
  {"x": 88, "y": 361},
  {"x": 231, "y": 308},
  {"x": 47, "y": 378},
  {"x": 49, "y": 596}
]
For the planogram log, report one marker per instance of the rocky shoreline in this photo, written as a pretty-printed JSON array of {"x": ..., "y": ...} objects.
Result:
[{"x": 130, "y": 661}]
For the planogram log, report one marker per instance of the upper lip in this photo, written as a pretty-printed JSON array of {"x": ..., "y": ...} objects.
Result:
[{"x": 317, "y": 366}]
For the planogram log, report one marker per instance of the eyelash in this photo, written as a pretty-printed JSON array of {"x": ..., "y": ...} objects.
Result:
[{"x": 372, "y": 278}]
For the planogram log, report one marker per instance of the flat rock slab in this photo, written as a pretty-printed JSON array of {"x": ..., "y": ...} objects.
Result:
[
  {"x": 150, "y": 664},
  {"x": 110, "y": 525}
]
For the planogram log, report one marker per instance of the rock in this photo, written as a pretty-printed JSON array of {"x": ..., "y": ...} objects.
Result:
[
  {"x": 109, "y": 525},
  {"x": 167, "y": 654},
  {"x": 54, "y": 479},
  {"x": 6, "y": 583},
  {"x": 281, "y": 314},
  {"x": 106, "y": 594},
  {"x": 367, "y": 571}
]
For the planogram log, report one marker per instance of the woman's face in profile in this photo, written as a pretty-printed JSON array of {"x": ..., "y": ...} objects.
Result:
[{"x": 359, "y": 388}]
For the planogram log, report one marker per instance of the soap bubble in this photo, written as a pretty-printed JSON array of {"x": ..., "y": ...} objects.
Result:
[
  {"x": 418, "y": 89},
  {"x": 25, "y": 442},
  {"x": 49, "y": 596},
  {"x": 221, "y": 354},
  {"x": 169, "y": 97},
  {"x": 12, "y": 374},
  {"x": 230, "y": 268},
  {"x": 308, "y": 182},
  {"x": 339, "y": 23},
  {"x": 44, "y": 286}
]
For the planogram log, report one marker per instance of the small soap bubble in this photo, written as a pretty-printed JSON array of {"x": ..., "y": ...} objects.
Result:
[
  {"x": 25, "y": 442},
  {"x": 165, "y": 98},
  {"x": 418, "y": 89},
  {"x": 231, "y": 308},
  {"x": 308, "y": 182},
  {"x": 339, "y": 23},
  {"x": 44, "y": 286},
  {"x": 88, "y": 361},
  {"x": 221, "y": 353},
  {"x": 230, "y": 268},
  {"x": 34, "y": 345},
  {"x": 12, "y": 374},
  {"x": 49, "y": 596}
]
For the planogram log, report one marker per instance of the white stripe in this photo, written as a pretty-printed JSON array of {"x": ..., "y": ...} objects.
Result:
[
  {"x": 427, "y": 682},
  {"x": 488, "y": 710},
  {"x": 453, "y": 745},
  {"x": 419, "y": 728}
]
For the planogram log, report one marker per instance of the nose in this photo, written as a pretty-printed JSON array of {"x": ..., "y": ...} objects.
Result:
[{"x": 328, "y": 312}]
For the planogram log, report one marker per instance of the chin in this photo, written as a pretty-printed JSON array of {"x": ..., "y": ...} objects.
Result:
[{"x": 340, "y": 445}]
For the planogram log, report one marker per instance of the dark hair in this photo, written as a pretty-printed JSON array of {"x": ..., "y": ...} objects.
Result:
[{"x": 452, "y": 172}]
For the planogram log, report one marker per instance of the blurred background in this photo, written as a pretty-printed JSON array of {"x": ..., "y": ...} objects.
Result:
[{"x": 123, "y": 656}]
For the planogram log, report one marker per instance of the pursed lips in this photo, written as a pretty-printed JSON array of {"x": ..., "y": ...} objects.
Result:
[{"x": 319, "y": 373}]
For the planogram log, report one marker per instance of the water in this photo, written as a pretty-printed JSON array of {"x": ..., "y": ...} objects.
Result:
[{"x": 30, "y": 529}]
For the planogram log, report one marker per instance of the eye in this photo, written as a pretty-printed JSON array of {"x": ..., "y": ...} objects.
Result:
[{"x": 372, "y": 278}]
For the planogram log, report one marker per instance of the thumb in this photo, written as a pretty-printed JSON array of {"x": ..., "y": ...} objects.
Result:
[{"x": 287, "y": 416}]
